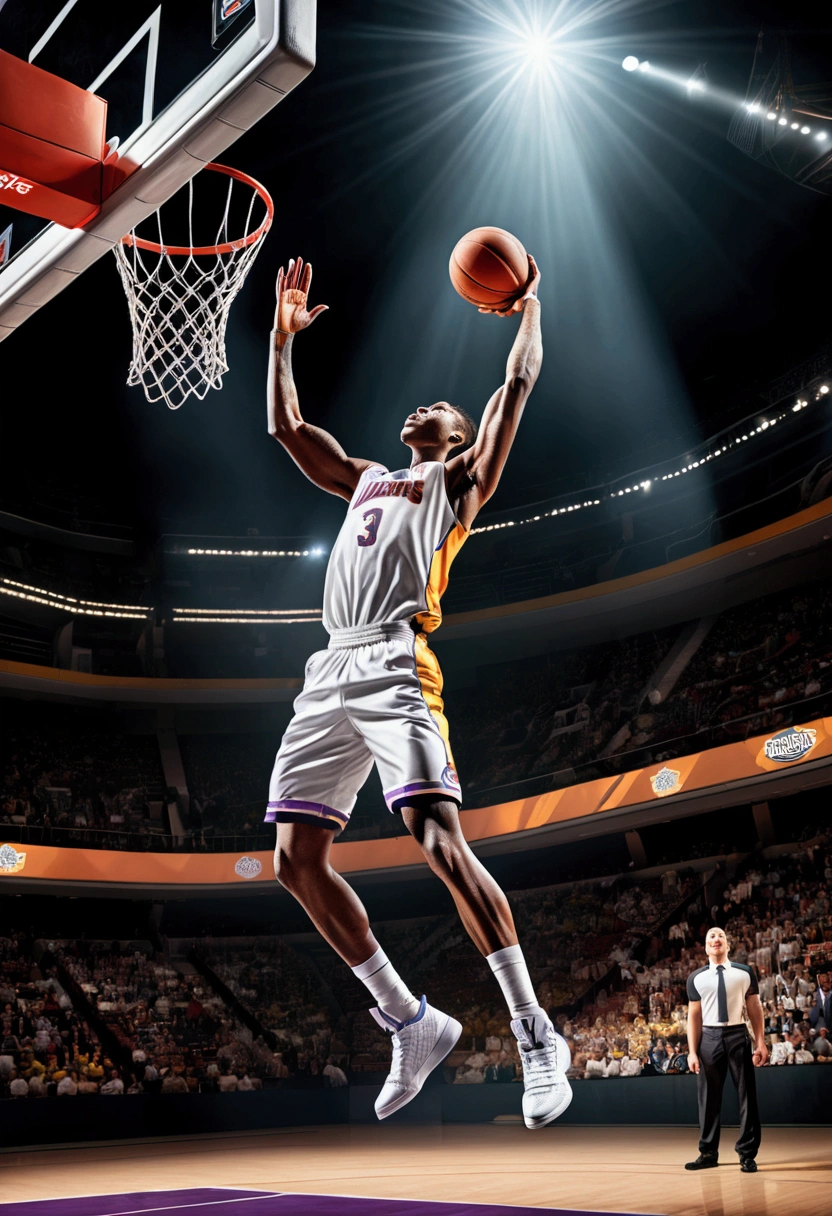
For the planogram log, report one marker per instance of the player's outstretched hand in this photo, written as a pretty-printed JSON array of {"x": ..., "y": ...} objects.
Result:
[
  {"x": 293, "y": 285},
  {"x": 531, "y": 290},
  {"x": 693, "y": 1061}
]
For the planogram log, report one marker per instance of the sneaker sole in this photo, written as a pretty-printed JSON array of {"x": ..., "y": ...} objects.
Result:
[
  {"x": 543, "y": 1120},
  {"x": 444, "y": 1045}
]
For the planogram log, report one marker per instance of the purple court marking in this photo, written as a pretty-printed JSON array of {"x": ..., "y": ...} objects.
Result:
[
  {"x": 204, "y": 1201},
  {"x": 210, "y": 1201}
]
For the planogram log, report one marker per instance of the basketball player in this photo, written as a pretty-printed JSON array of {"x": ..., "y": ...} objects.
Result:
[{"x": 375, "y": 696}]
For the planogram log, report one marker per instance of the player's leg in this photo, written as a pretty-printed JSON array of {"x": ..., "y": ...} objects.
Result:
[
  {"x": 482, "y": 905},
  {"x": 401, "y": 714},
  {"x": 485, "y": 913},
  {"x": 302, "y": 866},
  {"x": 322, "y": 763}
]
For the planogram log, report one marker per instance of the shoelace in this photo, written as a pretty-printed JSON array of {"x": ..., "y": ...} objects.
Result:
[
  {"x": 404, "y": 1047},
  {"x": 539, "y": 1067}
]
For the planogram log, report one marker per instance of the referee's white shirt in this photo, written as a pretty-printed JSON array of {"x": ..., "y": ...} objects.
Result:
[{"x": 740, "y": 982}]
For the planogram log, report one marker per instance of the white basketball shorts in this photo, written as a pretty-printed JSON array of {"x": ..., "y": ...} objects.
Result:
[{"x": 374, "y": 696}]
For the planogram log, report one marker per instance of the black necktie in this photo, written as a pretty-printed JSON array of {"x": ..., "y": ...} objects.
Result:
[{"x": 721, "y": 995}]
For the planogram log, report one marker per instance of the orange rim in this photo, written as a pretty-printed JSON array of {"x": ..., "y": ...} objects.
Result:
[{"x": 185, "y": 251}]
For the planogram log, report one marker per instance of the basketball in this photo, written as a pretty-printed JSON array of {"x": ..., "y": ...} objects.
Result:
[{"x": 489, "y": 267}]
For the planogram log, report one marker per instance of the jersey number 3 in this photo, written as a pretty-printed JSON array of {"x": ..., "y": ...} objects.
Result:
[{"x": 372, "y": 519}]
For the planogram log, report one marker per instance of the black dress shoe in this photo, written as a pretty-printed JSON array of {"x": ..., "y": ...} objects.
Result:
[
  {"x": 705, "y": 1161},
  {"x": 748, "y": 1165}
]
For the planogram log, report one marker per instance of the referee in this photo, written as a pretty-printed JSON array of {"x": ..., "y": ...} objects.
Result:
[{"x": 718, "y": 1041}]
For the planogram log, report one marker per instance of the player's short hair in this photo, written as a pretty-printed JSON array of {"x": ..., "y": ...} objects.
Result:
[{"x": 469, "y": 430}]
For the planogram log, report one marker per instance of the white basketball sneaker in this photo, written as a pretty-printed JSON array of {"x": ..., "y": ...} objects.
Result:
[
  {"x": 545, "y": 1057},
  {"x": 418, "y": 1046}
]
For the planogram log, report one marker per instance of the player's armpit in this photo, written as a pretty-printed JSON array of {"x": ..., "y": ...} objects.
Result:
[{"x": 321, "y": 458}]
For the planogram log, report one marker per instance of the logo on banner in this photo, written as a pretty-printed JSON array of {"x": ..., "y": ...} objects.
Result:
[
  {"x": 789, "y": 745},
  {"x": 666, "y": 781},
  {"x": 11, "y": 862},
  {"x": 248, "y": 867}
]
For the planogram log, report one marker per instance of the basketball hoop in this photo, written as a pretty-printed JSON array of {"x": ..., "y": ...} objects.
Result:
[{"x": 180, "y": 298}]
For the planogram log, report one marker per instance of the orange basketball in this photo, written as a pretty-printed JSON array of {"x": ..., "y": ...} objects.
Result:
[{"x": 489, "y": 267}]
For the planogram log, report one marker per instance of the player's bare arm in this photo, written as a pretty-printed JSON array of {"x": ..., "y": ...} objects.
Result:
[
  {"x": 313, "y": 450},
  {"x": 473, "y": 476}
]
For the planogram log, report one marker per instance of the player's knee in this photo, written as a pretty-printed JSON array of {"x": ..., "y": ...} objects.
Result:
[
  {"x": 290, "y": 869},
  {"x": 442, "y": 849}
]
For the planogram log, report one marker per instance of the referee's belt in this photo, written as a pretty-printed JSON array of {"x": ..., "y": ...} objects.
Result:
[{"x": 725, "y": 1026}]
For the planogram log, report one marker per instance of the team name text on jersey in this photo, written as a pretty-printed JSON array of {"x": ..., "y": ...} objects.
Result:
[{"x": 411, "y": 490}]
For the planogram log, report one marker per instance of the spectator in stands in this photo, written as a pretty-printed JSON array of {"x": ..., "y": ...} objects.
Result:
[
  {"x": 820, "y": 1015},
  {"x": 18, "y": 1087},
  {"x": 68, "y": 1085},
  {"x": 175, "y": 1083},
  {"x": 334, "y": 1076},
  {"x": 228, "y": 1082},
  {"x": 114, "y": 1085}
]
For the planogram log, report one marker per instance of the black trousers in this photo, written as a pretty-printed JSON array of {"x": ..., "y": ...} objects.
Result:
[{"x": 723, "y": 1049}]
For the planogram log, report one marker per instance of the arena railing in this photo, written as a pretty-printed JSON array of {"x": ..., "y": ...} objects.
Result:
[
  {"x": 369, "y": 824},
  {"x": 655, "y": 752},
  {"x": 135, "y": 842}
]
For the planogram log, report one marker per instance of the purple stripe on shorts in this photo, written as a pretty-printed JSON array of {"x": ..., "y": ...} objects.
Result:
[
  {"x": 417, "y": 787},
  {"x": 295, "y": 804}
]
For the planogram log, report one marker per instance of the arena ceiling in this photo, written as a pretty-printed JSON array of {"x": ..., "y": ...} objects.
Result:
[{"x": 696, "y": 270}]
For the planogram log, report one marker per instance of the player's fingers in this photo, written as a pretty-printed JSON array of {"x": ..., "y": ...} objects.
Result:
[
  {"x": 279, "y": 285},
  {"x": 316, "y": 312},
  {"x": 307, "y": 279},
  {"x": 298, "y": 272}
]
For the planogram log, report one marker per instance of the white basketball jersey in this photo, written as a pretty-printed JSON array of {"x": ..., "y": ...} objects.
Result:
[{"x": 392, "y": 556}]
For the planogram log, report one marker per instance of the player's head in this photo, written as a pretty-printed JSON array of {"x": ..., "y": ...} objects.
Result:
[
  {"x": 443, "y": 427},
  {"x": 716, "y": 944}
]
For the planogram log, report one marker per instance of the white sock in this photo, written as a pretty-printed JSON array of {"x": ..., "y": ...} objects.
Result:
[
  {"x": 512, "y": 974},
  {"x": 384, "y": 982}
]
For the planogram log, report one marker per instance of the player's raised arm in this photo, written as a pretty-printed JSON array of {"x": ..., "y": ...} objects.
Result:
[
  {"x": 313, "y": 450},
  {"x": 474, "y": 474}
]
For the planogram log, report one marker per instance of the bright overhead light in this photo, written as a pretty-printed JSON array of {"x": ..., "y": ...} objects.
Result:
[
  {"x": 644, "y": 67},
  {"x": 824, "y": 388},
  {"x": 630, "y": 63},
  {"x": 795, "y": 126},
  {"x": 771, "y": 116},
  {"x": 753, "y": 107},
  {"x": 782, "y": 122},
  {"x": 537, "y": 49},
  {"x": 805, "y": 130},
  {"x": 821, "y": 136}
]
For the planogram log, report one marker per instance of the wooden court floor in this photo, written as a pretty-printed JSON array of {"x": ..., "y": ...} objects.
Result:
[{"x": 603, "y": 1169}]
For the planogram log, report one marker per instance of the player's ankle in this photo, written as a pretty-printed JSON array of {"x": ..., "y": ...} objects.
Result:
[{"x": 401, "y": 1012}]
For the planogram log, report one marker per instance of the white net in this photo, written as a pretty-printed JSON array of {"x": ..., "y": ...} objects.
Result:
[{"x": 180, "y": 296}]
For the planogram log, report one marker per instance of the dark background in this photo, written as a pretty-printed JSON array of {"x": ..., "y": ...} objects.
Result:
[{"x": 677, "y": 274}]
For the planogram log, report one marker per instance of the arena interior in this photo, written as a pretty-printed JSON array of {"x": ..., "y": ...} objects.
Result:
[{"x": 636, "y": 643}]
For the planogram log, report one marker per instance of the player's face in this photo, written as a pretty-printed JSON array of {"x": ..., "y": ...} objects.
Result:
[{"x": 432, "y": 426}]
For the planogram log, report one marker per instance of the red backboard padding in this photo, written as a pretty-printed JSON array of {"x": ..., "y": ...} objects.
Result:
[{"x": 52, "y": 145}]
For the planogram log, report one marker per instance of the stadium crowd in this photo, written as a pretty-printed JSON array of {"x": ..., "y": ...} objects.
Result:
[
  {"x": 609, "y": 959},
  {"x": 57, "y": 772}
]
